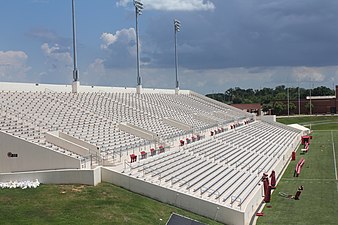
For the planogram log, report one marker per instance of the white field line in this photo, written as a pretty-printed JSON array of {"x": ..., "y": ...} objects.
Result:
[
  {"x": 309, "y": 179},
  {"x": 334, "y": 159},
  {"x": 324, "y": 130},
  {"x": 334, "y": 156}
]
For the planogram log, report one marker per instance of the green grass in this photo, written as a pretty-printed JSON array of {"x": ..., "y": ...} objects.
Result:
[
  {"x": 316, "y": 122},
  {"x": 79, "y": 204},
  {"x": 318, "y": 202}
]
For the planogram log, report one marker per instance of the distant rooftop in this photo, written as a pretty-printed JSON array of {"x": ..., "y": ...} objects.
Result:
[{"x": 320, "y": 97}]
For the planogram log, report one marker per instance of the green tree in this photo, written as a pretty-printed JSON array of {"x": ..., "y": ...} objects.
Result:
[
  {"x": 322, "y": 91},
  {"x": 267, "y": 107},
  {"x": 292, "y": 107},
  {"x": 279, "y": 107}
]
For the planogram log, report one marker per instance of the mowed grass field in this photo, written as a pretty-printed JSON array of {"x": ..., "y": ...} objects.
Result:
[
  {"x": 80, "y": 204},
  {"x": 319, "y": 122},
  {"x": 318, "y": 202}
]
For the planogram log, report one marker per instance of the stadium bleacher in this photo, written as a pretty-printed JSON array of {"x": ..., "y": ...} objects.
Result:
[{"x": 223, "y": 169}]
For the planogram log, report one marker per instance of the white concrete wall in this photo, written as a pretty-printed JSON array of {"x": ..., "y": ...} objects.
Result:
[
  {"x": 92, "y": 148},
  {"x": 31, "y": 156},
  {"x": 255, "y": 199},
  {"x": 177, "y": 124},
  {"x": 8, "y": 86},
  {"x": 268, "y": 118},
  {"x": 88, "y": 177},
  {"x": 138, "y": 131},
  {"x": 63, "y": 143},
  {"x": 183, "y": 200}
]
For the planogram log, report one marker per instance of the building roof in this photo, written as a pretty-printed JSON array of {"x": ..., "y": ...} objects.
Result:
[{"x": 320, "y": 97}]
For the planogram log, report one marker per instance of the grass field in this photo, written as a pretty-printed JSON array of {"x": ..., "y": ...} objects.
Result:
[
  {"x": 318, "y": 202},
  {"x": 79, "y": 204},
  {"x": 316, "y": 122}
]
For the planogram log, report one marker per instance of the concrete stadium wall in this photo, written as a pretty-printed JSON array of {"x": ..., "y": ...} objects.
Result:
[
  {"x": 268, "y": 118},
  {"x": 255, "y": 201},
  {"x": 8, "y": 86},
  {"x": 53, "y": 137},
  {"x": 88, "y": 177},
  {"x": 183, "y": 200},
  {"x": 31, "y": 157}
]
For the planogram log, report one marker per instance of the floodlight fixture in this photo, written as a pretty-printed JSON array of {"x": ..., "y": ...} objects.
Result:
[
  {"x": 138, "y": 6},
  {"x": 177, "y": 25}
]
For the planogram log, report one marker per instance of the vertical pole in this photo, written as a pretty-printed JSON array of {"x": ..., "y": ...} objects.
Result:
[
  {"x": 288, "y": 95},
  {"x": 75, "y": 71},
  {"x": 137, "y": 50},
  {"x": 310, "y": 100},
  {"x": 177, "y": 26},
  {"x": 298, "y": 99},
  {"x": 176, "y": 69}
]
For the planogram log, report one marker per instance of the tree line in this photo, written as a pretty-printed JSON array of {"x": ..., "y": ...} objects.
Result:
[{"x": 270, "y": 98}]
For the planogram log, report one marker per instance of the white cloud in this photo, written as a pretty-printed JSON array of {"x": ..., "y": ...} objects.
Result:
[
  {"x": 57, "y": 53},
  {"x": 123, "y": 3},
  {"x": 173, "y": 5},
  {"x": 13, "y": 65},
  {"x": 125, "y": 36},
  {"x": 107, "y": 39},
  {"x": 121, "y": 48},
  {"x": 12, "y": 57},
  {"x": 309, "y": 74},
  {"x": 58, "y": 62},
  {"x": 97, "y": 67}
]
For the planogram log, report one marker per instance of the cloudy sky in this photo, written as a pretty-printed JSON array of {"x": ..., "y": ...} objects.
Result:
[{"x": 222, "y": 43}]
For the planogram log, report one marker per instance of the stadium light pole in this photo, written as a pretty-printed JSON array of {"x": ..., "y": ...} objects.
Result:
[
  {"x": 298, "y": 99},
  {"x": 76, "y": 82},
  {"x": 177, "y": 27},
  {"x": 138, "y": 11},
  {"x": 310, "y": 100},
  {"x": 288, "y": 96}
]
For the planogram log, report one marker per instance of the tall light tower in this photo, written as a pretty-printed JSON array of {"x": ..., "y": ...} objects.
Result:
[
  {"x": 310, "y": 100},
  {"x": 298, "y": 98},
  {"x": 288, "y": 96},
  {"x": 138, "y": 11},
  {"x": 177, "y": 27},
  {"x": 76, "y": 82}
]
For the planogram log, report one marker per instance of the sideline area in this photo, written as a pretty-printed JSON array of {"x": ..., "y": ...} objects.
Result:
[{"x": 318, "y": 202}]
